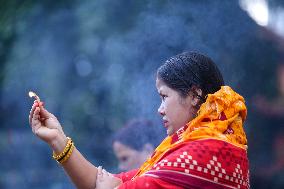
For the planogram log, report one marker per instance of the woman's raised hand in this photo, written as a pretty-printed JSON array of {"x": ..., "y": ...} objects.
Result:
[{"x": 46, "y": 126}]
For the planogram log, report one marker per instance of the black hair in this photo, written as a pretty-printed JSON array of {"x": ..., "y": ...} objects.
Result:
[
  {"x": 138, "y": 132},
  {"x": 189, "y": 70}
]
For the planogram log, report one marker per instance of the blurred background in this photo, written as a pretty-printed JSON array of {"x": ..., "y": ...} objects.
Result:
[{"x": 93, "y": 63}]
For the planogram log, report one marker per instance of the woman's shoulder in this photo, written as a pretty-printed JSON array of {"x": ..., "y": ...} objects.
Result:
[
  {"x": 210, "y": 159},
  {"x": 206, "y": 149}
]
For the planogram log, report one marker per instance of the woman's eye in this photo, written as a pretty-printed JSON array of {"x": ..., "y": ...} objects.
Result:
[
  {"x": 163, "y": 97},
  {"x": 124, "y": 158}
]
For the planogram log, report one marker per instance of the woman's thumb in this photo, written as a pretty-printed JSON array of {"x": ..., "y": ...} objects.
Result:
[{"x": 45, "y": 114}]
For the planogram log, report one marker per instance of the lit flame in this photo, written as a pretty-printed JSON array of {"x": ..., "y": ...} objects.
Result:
[{"x": 34, "y": 95}]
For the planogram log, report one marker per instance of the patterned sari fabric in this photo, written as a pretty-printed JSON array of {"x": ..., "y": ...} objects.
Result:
[{"x": 209, "y": 152}]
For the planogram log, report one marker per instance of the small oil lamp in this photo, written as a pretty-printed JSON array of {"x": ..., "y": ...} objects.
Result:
[{"x": 34, "y": 95}]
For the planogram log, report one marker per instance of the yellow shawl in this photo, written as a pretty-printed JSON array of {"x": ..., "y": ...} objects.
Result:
[{"x": 208, "y": 125}]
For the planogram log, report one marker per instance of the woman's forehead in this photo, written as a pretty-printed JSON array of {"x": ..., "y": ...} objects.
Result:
[
  {"x": 159, "y": 82},
  {"x": 118, "y": 146},
  {"x": 164, "y": 89},
  {"x": 161, "y": 86}
]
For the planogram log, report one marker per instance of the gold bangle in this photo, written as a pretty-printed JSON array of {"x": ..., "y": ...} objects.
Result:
[
  {"x": 67, "y": 156},
  {"x": 64, "y": 152}
]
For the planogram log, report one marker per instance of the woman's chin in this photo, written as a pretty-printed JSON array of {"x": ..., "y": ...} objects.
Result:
[{"x": 170, "y": 132}]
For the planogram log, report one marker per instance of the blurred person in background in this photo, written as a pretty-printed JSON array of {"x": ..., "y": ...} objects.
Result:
[
  {"x": 271, "y": 174},
  {"x": 273, "y": 108},
  {"x": 135, "y": 142},
  {"x": 269, "y": 113},
  {"x": 206, "y": 144},
  {"x": 276, "y": 170}
]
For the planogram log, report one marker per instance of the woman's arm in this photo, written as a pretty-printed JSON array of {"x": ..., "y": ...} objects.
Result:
[
  {"x": 46, "y": 126},
  {"x": 82, "y": 173}
]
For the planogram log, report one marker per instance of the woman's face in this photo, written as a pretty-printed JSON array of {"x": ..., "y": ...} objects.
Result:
[
  {"x": 128, "y": 157},
  {"x": 175, "y": 110}
]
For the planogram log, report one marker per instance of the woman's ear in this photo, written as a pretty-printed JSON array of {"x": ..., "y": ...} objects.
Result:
[{"x": 195, "y": 94}]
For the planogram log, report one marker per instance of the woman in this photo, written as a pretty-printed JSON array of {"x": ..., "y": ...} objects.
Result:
[
  {"x": 206, "y": 144},
  {"x": 135, "y": 142}
]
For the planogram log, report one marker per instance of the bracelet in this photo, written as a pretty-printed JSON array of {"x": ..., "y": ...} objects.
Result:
[
  {"x": 67, "y": 156},
  {"x": 64, "y": 152}
]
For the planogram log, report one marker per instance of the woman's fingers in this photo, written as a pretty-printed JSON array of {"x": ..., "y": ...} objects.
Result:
[
  {"x": 106, "y": 180},
  {"x": 41, "y": 115},
  {"x": 100, "y": 170},
  {"x": 105, "y": 172},
  {"x": 100, "y": 174},
  {"x": 35, "y": 104},
  {"x": 35, "y": 117},
  {"x": 35, "y": 122}
]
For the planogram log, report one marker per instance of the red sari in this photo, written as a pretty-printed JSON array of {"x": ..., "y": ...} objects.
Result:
[{"x": 209, "y": 152}]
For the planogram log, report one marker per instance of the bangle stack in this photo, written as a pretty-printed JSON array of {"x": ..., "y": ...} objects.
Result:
[{"x": 66, "y": 153}]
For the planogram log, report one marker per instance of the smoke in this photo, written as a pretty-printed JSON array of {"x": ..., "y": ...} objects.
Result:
[
  {"x": 94, "y": 62},
  {"x": 87, "y": 50},
  {"x": 163, "y": 31}
]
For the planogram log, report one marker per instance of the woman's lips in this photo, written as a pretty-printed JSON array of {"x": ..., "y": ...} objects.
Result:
[{"x": 165, "y": 123}]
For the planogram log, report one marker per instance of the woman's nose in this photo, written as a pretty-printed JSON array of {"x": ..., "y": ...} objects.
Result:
[{"x": 161, "y": 110}]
